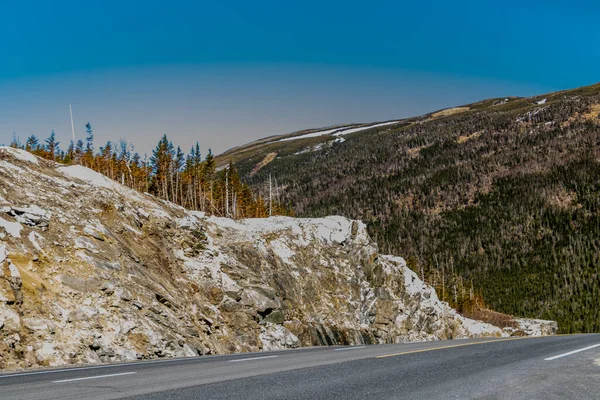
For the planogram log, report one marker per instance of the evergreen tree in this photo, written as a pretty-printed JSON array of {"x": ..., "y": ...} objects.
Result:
[
  {"x": 79, "y": 151},
  {"x": 161, "y": 162},
  {"x": 52, "y": 146},
  {"x": 32, "y": 144},
  {"x": 15, "y": 142},
  {"x": 70, "y": 154},
  {"x": 88, "y": 156},
  {"x": 105, "y": 161}
]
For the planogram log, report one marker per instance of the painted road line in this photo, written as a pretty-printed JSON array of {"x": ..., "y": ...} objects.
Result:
[
  {"x": 251, "y": 359},
  {"x": 129, "y": 364},
  {"x": 350, "y": 348},
  {"x": 93, "y": 377},
  {"x": 456, "y": 345},
  {"x": 571, "y": 352}
]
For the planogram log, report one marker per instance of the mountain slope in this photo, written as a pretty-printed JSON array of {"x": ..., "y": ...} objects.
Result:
[
  {"x": 498, "y": 197},
  {"x": 93, "y": 271}
]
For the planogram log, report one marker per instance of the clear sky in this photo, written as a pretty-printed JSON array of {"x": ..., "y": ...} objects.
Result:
[{"x": 225, "y": 73}]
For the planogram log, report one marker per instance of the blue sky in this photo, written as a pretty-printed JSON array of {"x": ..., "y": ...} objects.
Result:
[{"x": 225, "y": 73}]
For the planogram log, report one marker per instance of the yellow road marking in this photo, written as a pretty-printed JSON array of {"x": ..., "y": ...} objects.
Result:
[{"x": 459, "y": 345}]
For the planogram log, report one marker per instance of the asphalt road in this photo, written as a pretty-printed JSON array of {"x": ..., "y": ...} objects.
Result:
[{"x": 558, "y": 367}]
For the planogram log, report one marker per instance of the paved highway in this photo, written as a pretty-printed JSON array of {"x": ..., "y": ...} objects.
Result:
[{"x": 559, "y": 367}]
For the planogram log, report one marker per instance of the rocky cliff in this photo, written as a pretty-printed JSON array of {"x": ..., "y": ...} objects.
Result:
[{"x": 91, "y": 271}]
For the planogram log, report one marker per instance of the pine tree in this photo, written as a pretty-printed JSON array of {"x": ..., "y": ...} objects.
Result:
[
  {"x": 32, "y": 144},
  {"x": 69, "y": 157},
  {"x": 52, "y": 146},
  {"x": 178, "y": 164},
  {"x": 104, "y": 161},
  {"x": 161, "y": 162},
  {"x": 16, "y": 143},
  {"x": 123, "y": 161},
  {"x": 88, "y": 156},
  {"x": 79, "y": 151}
]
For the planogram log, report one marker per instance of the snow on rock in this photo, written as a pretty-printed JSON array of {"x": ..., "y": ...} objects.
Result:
[
  {"x": 19, "y": 154},
  {"x": 328, "y": 230},
  {"x": 363, "y": 128},
  {"x": 3, "y": 254},
  {"x": 12, "y": 228},
  {"x": 91, "y": 272},
  {"x": 88, "y": 175},
  {"x": 13, "y": 270},
  {"x": 31, "y": 215},
  {"x": 310, "y": 135},
  {"x": 339, "y": 131},
  {"x": 478, "y": 328}
]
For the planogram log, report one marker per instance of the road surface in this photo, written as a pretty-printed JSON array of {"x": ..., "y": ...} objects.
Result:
[{"x": 558, "y": 367}]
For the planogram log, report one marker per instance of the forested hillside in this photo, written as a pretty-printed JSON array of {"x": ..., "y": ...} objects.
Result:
[
  {"x": 499, "y": 198},
  {"x": 170, "y": 174}
]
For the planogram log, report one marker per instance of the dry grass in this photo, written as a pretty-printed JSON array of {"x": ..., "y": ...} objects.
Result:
[
  {"x": 415, "y": 151},
  {"x": 491, "y": 317},
  {"x": 463, "y": 139},
  {"x": 449, "y": 111},
  {"x": 562, "y": 199},
  {"x": 593, "y": 115}
]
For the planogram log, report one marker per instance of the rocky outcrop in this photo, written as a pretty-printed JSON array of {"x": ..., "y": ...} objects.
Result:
[{"x": 91, "y": 271}]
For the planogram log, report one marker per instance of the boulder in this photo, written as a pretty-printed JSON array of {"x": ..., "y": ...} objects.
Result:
[
  {"x": 258, "y": 301},
  {"x": 9, "y": 319},
  {"x": 80, "y": 284},
  {"x": 275, "y": 317},
  {"x": 82, "y": 314},
  {"x": 35, "y": 324}
]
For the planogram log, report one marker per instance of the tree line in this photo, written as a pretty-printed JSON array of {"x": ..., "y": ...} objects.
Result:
[{"x": 188, "y": 179}]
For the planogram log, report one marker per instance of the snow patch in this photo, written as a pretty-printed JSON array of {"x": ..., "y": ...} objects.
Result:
[
  {"x": 337, "y": 131},
  {"x": 282, "y": 251},
  {"x": 480, "y": 328},
  {"x": 20, "y": 154},
  {"x": 12, "y": 228},
  {"x": 33, "y": 210},
  {"x": 88, "y": 175},
  {"x": 11, "y": 167},
  {"x": 310, "y": 135},
  {"x": 3, "y": 254},
  {"x": 333, "y": 229},
  {"x": 33, "y": 238},
  {"x": 14, "y": 271},
  {"x": 363, "y": 128}
]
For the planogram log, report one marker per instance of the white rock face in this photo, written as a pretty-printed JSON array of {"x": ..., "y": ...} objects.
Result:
[
  {"x": 9, "y": 319},
  {"x": 91, "y": 271}
]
